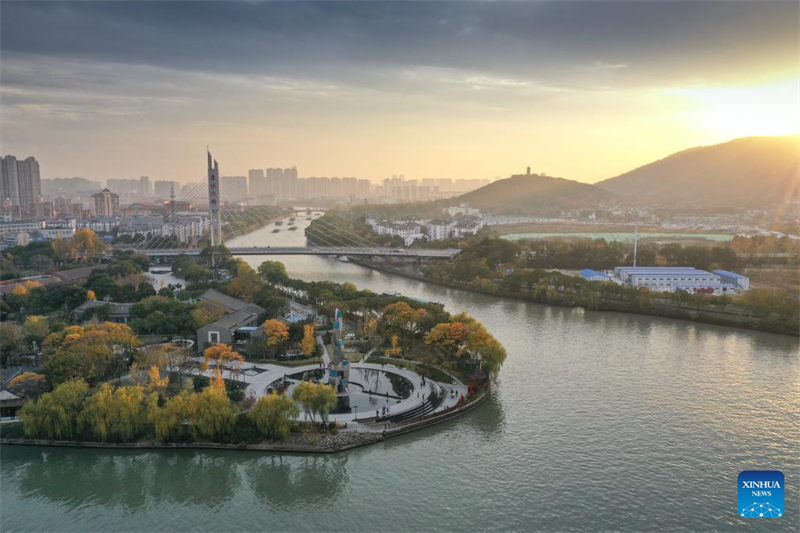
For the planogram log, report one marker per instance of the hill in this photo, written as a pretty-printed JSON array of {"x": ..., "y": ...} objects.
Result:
[
  {"x": 746, "y": 172},
  {"x": 534, "y": 193}
]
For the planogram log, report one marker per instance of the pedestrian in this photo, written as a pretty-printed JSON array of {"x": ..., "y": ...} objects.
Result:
[{"x": 377, "y": 414}]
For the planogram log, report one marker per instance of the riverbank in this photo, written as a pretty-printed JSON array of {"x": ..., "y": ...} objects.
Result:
[
  {"x": 737, "y": 318},
  {"x": 341, "y": 441}
]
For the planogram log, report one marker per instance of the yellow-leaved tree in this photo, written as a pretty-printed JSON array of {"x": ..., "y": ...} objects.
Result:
[
  {"x": 309, "y": 342},
  {"x": 223, "y": 357},
  {"x": 55, "y": 414},
  {"x": 273, "y": 415},
  {"x": 212, "y": 414},
  {"x": 276, "y": 334},
  {"x": 394, "y": 350},
  {"x": 118, "y": 414}
]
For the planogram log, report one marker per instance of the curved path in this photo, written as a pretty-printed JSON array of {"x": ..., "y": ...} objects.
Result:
[{"x": 258, "y": 383}]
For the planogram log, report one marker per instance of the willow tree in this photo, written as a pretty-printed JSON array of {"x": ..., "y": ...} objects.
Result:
[
  {"x": 55, "y": 414},
  {"x": 273, "y": 415},
  {"x": 212, "y": 413},
  {"x": 118, "y": 414},
  {"x": 323, "y": 400},
  {"x": 303, "y": 394},
  {"x": 170, "y": 419}
]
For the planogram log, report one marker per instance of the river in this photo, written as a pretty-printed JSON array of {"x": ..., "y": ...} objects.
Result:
[{"x": 599, "y": 421}]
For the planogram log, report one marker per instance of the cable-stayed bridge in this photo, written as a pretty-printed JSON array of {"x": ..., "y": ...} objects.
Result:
[
  {"x": 328, "y": 239},
  {"x": 351, "y": 251}
]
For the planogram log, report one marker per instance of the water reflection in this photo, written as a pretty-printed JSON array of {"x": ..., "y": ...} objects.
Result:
[
  {"x": 294, "y": 482},
  {"x": 126, "y": 478}
]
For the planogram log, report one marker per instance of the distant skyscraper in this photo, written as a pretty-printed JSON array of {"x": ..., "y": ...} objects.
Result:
[
  {"x": 256, "y": 181},
  {"x": 233, "y": 188},
  {"x": 163, "y": 188},
  {"x": 145, "y": 189},
  {"x": 105, "y": 204},
  {"x": 20, "y": 183}
]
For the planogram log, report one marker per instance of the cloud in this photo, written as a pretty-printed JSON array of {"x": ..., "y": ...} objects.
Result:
[{"x": 602, "y": 65}]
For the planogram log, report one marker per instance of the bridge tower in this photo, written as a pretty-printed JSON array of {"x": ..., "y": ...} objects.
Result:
[{"x": 214, "y": 201}]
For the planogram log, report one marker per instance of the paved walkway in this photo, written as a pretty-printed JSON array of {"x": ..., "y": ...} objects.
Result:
[{"x": 259, "y": 383}]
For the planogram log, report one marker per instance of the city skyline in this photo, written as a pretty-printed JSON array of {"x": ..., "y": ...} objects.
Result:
[{"x": 584, "y": 91}]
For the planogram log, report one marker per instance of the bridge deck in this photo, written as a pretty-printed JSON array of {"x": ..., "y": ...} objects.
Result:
[{"x": 321, "y": 250}]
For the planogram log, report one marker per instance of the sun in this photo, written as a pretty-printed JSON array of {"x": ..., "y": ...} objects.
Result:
[{"x": 772, "y": 109}]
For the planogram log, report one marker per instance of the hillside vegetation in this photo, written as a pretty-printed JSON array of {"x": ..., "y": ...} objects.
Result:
[{"x": 746, "y": 172}]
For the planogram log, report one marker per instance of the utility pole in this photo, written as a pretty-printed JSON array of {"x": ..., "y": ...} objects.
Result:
[{"x": 635, "y": 241}]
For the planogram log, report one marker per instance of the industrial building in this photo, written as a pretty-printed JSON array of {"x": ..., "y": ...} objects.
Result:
[
  {"x": 594, "y": 275},
  {"x": 670, "y": 279}
]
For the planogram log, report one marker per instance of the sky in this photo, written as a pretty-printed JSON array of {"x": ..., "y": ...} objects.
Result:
[{"x": 584, "y": 91}]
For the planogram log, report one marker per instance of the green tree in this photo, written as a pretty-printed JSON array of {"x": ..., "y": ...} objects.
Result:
[
  {"x": 11, "y": 342},
  {"x": 29, "y": 384},
  {"x": 35, "y": 330},
  {"x": 273, "y": 272},
  {"x": 273, "y": 415}
]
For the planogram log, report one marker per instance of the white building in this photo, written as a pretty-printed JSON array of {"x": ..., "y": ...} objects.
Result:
[
  {"x": 20, "y": 226},
  {"x": 461, "y": 209},
  {"x": 733, "y": 280},
  {"x": 409, "y": 230},
  {"x": 669, "y": 279},
  {"x": 99, "y": 224},
  {"x": 440, "y": 229}
]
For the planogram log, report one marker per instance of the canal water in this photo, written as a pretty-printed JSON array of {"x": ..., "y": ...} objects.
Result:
[{"x": 600, "y": 421}]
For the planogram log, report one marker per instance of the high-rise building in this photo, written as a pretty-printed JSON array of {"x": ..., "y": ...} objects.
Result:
[
  {"x": 256, "y": 181},
  {"x": 20, "y": 182},
  {"x": 145, "y": 189},
  {"x": 233, "y": 188},
  {"x": 123, "y": 186},
  {"x": 105, "y": 204},
  {"x": 164, "y": 188}
]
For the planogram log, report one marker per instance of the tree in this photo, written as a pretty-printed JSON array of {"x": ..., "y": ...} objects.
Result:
[
  {"x": 316, "y": 398},
  {"x": 273, "y": 415},
  {"x": 94, "y": 353},
  {"x": 206, "y": 312},
  {"x": 11, "y": 342},
  {"x": 273, "y": 272},
  {"x": 303, "y": 394},
  {"x": 35, "y": 330},
  {"x": 90, "y": 295},
  {"x": 169, "y": 420},
  {"x": 244, "y": 286},
  {"x": 276, "y": 332},
  {"x": 29, "y": 384},
  {"x": 164, "y": 316},
  {"x": 84, "y": 245},
  {"x": 223, "y": 356},
  {"x": 395, "y": 350},
  {"x": 466, "y": 336},
  {"x": 212, "y": 414},
  {"x": 323, "y": 400},
  {"x": 55, "y": 414},
  {"x": 116, "y": 413},
  {"x": 309, "y": 343}
]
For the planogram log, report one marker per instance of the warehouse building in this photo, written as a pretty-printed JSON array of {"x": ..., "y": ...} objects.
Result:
[{"x": 670, "y": 279}]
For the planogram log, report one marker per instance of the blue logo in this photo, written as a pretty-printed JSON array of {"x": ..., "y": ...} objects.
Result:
[{"x": 761, "y": 494}]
